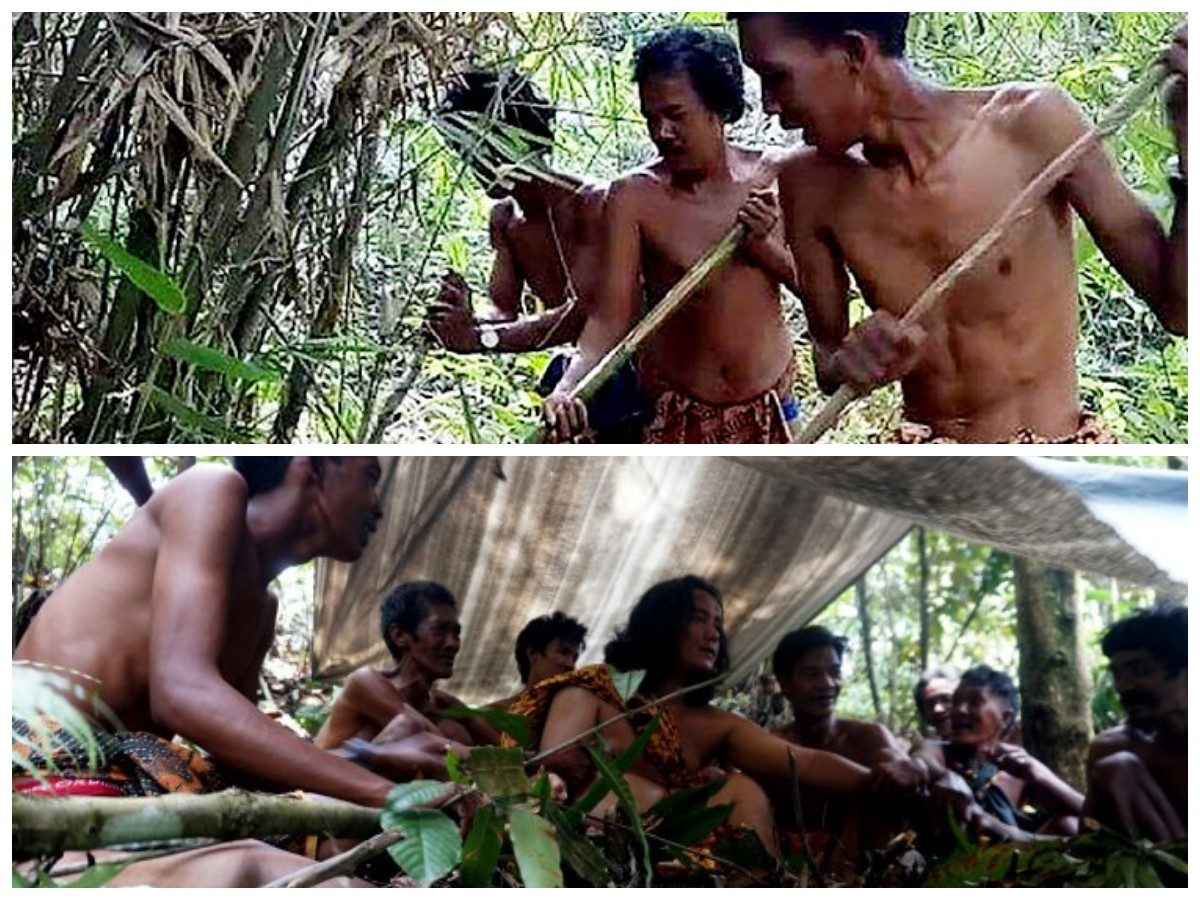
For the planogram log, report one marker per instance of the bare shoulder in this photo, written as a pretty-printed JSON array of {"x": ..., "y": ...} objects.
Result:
[
  {"x": 1038, "y": 115},
  {"x": 219, "y": 490},
  {"x": 868, "y": 734},
  {"x": 803, "y": 172},
  {"x": 588, "y": 203},
  {"x": 501, "y": 218},
  {"x": 1106, "y": 743}
]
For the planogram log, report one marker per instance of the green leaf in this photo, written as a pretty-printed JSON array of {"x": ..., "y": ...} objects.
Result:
[
  {"x": 1171, "y": 862},
  {"x": 97, "y": 876},
  {"x": 153, "y": 282},
  {"x": 584, "y": 857},
  {"x": 404, "y": 797},
  {"x": 206, "y": 425},
  {"x": 685, "y": 817},
  {"x": 627, "y": 683},
  {"x": 622, "y": 764},
  {"x": 535, "y": 848},
  {"x": 20, "y": 881},
  {"x": 482, "y": 849},
  {"x": 454, "y": 768},
  {"x": 431, "y": 847},
  {"x": 499, "y": 771},
  {"x": 619, "y": 786},
  {"x": 210, "y": 359},
  {"x": 514, "y": 725}
]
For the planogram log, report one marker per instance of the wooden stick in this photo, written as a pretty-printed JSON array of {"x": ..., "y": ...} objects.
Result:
[
  {"x": 676, "y": 298},
  {"x": 1025, "y": 203}
]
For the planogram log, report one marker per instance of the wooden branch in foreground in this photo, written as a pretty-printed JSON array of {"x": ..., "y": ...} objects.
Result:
[
  {"x": 1025, "y": 203},
  {"x": 44, "y": 826}
]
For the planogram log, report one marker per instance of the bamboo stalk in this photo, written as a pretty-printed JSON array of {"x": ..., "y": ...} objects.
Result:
[
  {"x": 47, "y": 827},
  {"x": 1025, "y": 203},
  {"x": 708, "y": 265}
]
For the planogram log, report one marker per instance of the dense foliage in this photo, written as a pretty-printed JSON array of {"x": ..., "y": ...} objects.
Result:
[{"x": 228, "y": 227}]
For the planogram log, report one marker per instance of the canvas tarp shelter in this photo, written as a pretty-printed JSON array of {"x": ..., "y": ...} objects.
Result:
[{"x": 516, "y": 537}]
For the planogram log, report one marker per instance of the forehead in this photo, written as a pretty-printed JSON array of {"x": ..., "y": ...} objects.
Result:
[
  {"x": 667, "y": 89},
  {"x": 440, "y": 614},
  {"x": 818, "y": 656},
  {"x": 1139, "y": 656},
  {"x": 938, "y": 686},
  {"x": 767, "y": 42},
  {"x": 704, "y": 602},
  {"x": 562, "y": 643}
]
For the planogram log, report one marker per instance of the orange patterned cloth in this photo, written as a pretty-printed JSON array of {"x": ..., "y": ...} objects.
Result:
[
  {"x": 1090, "y": 431},
  {"x": 682, "y": 419},
  {"x": 665, "y": 750},
  {"x": 131, "y": 764}
]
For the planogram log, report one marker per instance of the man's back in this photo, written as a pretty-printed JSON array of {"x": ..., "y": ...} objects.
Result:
[{"x": 99, "y": 622}]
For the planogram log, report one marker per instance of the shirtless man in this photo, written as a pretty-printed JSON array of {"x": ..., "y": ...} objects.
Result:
[
  {"x": 721, "y": 370},
  {"x": 399, "y": 706},
  {"x": 808, "y": 667},
  {"x": 169, "y": 624},
  {"x": 547, "y": 646},
  {"x": 904, "y": 177},
  {"x": 1137, "y": 773},
  {"x": 545, "y": 236},
  {"x": 676, "y": 635}
]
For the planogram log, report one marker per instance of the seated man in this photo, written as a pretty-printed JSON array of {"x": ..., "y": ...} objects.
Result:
[
  {"x": 721, "y": 370},
  {"x": 177, "y": 619},
  {"x": 1138, "y": 773},
  {"x": 933, "y": 697},
  {"x": 547, "y": 646},
  {"x": 400, "y": 706},
  {"x": 905, "y": 176},
  {"x": 676, "y": 635},
  {"x": 808, "y": 667},
  {"x": 1003, "y": 778}
]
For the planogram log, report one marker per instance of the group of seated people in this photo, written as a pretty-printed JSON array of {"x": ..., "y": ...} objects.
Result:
[
  {"x": 858, "y": 785},
  {"x": 178, "y": 619}
]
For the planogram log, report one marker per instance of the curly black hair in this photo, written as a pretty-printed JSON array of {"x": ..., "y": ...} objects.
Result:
[
  {"x": 507, "y": 95},
  {"x": 709, "y": 57},
  {"x": 1161, "y": 631}
]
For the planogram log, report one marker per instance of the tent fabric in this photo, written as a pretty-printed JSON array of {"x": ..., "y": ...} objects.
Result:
[{"x": 517, "y": 537}]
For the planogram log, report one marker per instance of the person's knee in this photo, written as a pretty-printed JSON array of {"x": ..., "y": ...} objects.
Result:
[
  {"x": 1119, "y": 771},
  {"x": 402, "y": 726}
]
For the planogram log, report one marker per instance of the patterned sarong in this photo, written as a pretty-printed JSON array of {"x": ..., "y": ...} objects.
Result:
[
  {"x": 682, "y": 419},
  {"x": 127, "y": 764},
  {"x": 665, "y": 750},
  {"x": 1090, "y": 431}
]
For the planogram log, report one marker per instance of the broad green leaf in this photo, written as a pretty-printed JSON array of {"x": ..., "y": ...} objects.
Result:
[
  {"x": 514, "y": 725},
  {"x": 627, "y": 683},
  {"x": 482, "y": 849},
  {"x": 431, "y": 847},
  {"x": 1170, "y": 861},
  {"x": 213, "y": 360},
  {"x": 20, "y": 881},
  {"x": 499, "y": 771},
  {"x": 535, "y": 848},
  {"x": 685, "y": 817},
  {"x": 454, "y": 768},
  {"x": 618, "y": 785},
  {"x": 622, "y": 764},
  {"x": 156, "y": 284},
  {"x": 408, "y": 796},
  {"x": 584, "y": 857}
]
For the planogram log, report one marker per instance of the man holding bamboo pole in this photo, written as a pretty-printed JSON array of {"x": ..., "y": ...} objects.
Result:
[
  {"x": 720, "y": 371},
  {"x": 904, "y": 177}
]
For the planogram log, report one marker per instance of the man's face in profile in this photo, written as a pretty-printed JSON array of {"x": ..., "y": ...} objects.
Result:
[{"x": 350, "y": 497}]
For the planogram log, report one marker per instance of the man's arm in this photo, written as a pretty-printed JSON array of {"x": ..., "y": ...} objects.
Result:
[
  {"x": 763, "y": 245},
  {"x": 763, "y": 755},
  {"x": 202, "y": 530},
  {"x": 614, "y": 311},
  {"x": 130, "y": 471},
  {"x": 507, "y": 282},
  {"x": 1127, "y": 231}
]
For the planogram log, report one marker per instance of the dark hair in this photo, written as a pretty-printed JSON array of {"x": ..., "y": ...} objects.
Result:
[
  {"x": 407, "y": 606},
  {"x": 506, "y": 95},
  {"x": 29, "y": 608},
  {"x": 797, "y": 643},
  {"x": 648, "y": 640},
  {"x": 996, "y": 682},
  {"x": 889, "y": 29},
  {"x": 262, "y": 473},
  {"x": 944, "y": 672},
  {"x": 1161, "y": 631},
  {"x": 538, "y": 633},
  {"x": 711, "y": 60}
]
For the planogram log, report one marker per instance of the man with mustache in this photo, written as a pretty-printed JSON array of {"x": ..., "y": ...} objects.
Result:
[
  {"x": 391, "y": 719},
  {"x": 808, "y": 667},
  {"x": 903, "y": 177},
  {"x": 1137, "y": 773},
  {"x": 166, "y": 629},
  {"x": 720, "y": 371}
]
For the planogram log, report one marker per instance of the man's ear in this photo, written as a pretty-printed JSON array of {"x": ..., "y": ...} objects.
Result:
[
  {"x": 857, "y": 48},
  {"x": 398, "y": 635}
]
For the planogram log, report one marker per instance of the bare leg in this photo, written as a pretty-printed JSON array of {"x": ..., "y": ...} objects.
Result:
[
  {"x": 751, "y": 807},
  {"x": 1125, "y": 796}
]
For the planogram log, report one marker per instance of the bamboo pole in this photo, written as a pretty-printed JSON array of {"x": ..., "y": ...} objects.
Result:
[
  {"x": 49, "y": 826},
  {"x": 1025, "y": 203},
  {"x": 695, "y": 277}
]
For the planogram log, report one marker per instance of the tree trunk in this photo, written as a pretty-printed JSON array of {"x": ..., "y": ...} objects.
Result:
[
  {"x": 864, "y": 621},
  {"x": 1055, "y": 684},
  {"x": 923, "y": 597}
]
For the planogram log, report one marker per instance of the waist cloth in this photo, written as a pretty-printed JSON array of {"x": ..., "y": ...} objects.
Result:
[
  {"x": 1090, "y": 431},
  {"x": 680, "y": 418}
]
